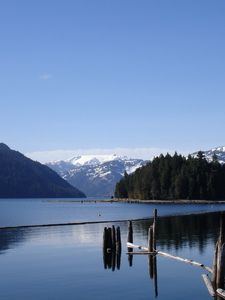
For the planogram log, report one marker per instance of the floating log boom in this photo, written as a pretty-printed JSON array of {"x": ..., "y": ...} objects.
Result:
[
  {"x": 141, "y": 253},
  {"x": 185, "y": 260},
  {"x": 208, "y": 284},
  {"x": 131, "y": 245},
  {"x": 221, "y": 293}
]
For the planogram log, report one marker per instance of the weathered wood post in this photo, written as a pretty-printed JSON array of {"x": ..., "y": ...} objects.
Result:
[
  {"x": 111, "y": 248},
  {"x": 118, "y": 240},
  {"x": 220, "y": 266},
  {"x": 218, "y": 270},
  {"x": 130, "y": 232},
  {"x": 154, "y": 228},
  {"x": 118, "y": 248},
  {"x": 214, "y": 267},
  {"x": 150, "y": 239},
  {"x": 105, "y": 239},
  {"x": 109, "y": 240},
  {"x": 150, "y": 249},
  {"x": 107, "y": 247},
  {"x": 113, "y": 238},
  {"x": 130, "y": 240},
  {"x": 104, "y": 247}
]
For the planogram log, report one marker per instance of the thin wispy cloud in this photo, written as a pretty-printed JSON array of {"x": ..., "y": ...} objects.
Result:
[
  {"x": 45, "y": 76},
  {"x": 53, "y": 155}
]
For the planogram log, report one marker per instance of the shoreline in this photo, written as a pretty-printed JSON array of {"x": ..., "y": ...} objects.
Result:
[
  {"x": 115, "y": 200},
  {"x": 170, "y": 201}
]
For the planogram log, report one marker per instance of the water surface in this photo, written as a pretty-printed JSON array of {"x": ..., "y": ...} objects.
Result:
[
  {"x": 67, "y": 262},
  {"x": 15, "y": 212}
]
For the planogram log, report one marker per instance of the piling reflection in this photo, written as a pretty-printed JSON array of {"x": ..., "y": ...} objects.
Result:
[
  {"x": 130, "y": 257},
  {"x": 152, "y": 263},
  {"x": 112, "y": 260}
]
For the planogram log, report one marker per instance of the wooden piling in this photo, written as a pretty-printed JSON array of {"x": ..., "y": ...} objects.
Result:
[
  {"x": 130, "y": 240},
  {"x": 118, "y": 240},
  {"x": 214, "y": 267},
  {"x": 220, "y": 267},
  {"x": 150, "y": 239},
  {"x": 113, "y": 238},
  {"x": 155, "y": 213},
  {"x": 222, "y": 229},
  {"x": 130, "y": 232},
  {"x": 109, "y": 239},
  {"x": 150, "y": 249},
  {"x": 111, "y": 248},
  {"x": 105, "y": 239},
  {"x": 219, "y": 257},
  {"x": 154, "y": 226}
]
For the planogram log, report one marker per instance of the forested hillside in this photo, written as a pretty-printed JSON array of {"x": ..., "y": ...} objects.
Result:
[
  {"x": 21, "y": 177},
  {"x": 175, "y": 177}
]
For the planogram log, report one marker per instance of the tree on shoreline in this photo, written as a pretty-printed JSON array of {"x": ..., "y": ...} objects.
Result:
[{"x": 175, "y": 177}]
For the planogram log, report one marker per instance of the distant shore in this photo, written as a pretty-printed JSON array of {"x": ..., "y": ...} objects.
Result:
[
  {"x": 116, "y": 200},
  {"x": 179, "y": 201}
]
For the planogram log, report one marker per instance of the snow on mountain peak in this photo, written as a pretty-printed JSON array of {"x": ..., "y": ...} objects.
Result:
[
  {"x": 219, "y": 151},
  {"x": 96, "y": 175},
  {"x": 82, "y": 160}
]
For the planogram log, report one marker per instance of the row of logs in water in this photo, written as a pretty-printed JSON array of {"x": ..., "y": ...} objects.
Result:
[{"x": 112, "y": 248}]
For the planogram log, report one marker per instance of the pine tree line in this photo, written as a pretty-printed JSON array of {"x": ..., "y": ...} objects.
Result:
[{"x": 175, "y": 177}]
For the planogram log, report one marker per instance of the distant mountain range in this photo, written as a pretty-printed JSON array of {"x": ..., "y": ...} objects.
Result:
[
  {"x": 96, "y": 175},
  {"x": 21, "y": 177}
]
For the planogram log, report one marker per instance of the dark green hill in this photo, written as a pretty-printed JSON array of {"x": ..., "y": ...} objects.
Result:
[
  {"x": 21, "y": 177},
  {"x": 175, "y": 177}
]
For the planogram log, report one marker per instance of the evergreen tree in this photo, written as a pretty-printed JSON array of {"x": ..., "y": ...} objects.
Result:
[{"x": 175, "y": 177}]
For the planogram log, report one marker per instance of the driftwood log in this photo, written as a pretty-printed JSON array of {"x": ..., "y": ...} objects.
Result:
[{"x": 209, "y": 285}]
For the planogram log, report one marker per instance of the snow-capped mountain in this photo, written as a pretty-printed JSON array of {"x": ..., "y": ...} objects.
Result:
[
  {"x": 219, "y": 151},
  {"x": 96, "y": 175}
]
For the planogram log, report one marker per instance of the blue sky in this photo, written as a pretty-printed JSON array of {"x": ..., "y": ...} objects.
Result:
[{"x": 112, "y": 74}]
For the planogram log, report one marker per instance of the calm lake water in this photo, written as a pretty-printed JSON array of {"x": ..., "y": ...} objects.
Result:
[
  {"x": 15, "y": 212},
  {"x": 66, "y": 262}
]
